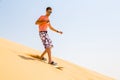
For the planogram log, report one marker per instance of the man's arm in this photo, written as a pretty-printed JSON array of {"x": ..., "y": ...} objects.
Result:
[
  {"x": 53, "y": 29},
  {"x": 39, "y": 22}
]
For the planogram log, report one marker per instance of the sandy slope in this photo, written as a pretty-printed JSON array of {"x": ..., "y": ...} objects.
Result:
[{"x": 16, "y": 65}]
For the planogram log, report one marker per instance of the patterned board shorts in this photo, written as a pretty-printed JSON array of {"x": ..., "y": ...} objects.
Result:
[{"x": 47, "y": 42}]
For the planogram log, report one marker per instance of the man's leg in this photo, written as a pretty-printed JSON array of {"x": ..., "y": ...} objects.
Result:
[
  {"x": 48, "y": 50},
  {"x": 42, "y": 55}
]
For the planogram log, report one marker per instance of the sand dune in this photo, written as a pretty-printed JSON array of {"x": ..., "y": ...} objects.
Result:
[{"x": 16, "y": 65}]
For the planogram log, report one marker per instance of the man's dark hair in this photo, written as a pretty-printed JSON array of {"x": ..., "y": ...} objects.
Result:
[{"x": 48, "y": 8}]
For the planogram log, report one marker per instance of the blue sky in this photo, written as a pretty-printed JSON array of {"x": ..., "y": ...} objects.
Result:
[{"x": 91, "y": 30}]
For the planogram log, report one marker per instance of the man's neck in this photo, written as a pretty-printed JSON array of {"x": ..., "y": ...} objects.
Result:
[{"x": 47, "y": 15}]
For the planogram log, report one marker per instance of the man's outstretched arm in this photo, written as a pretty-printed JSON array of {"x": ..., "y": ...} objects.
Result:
[{"x": 53, "y": 29}]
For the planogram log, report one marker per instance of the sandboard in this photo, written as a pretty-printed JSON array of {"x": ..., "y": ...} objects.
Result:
[{"x": 38, "y": 58}]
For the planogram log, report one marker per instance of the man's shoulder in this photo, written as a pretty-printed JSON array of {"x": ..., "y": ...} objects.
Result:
[{"x": 41, "y": 17}]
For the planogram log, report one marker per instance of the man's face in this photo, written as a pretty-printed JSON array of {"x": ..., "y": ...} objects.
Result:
[{"x": 49, "y": 11}]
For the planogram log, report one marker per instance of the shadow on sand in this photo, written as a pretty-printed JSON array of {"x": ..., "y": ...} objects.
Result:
[{"x": 25, "y": 57}]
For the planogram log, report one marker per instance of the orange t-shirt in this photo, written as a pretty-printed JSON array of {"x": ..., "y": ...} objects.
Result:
[{"x": 43, "y": 26}]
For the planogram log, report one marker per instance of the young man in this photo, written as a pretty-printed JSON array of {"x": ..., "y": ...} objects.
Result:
[{"x": 43, "y": 22}]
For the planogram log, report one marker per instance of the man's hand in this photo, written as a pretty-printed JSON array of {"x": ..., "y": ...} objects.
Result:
[{"x": 60, "y": 32}]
